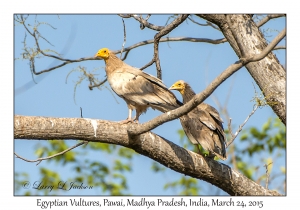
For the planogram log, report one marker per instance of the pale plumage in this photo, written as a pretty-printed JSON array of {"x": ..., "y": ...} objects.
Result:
[
  {"x": 203, "y": 124},
  {"x": 139, "y": 89}
]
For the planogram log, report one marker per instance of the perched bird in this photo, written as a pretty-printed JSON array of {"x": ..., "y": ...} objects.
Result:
[
  {"x": 139, "y": 89},
  {"x": 203, "y": 124}
]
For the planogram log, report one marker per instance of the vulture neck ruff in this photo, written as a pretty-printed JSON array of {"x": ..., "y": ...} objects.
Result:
[
  {"x": 113, "y": 63},
  {"x": 188, "y": 93}
]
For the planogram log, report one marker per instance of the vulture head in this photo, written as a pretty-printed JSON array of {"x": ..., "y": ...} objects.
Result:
[
  {"x": 179, "y": 85},
  {"x": 103, "y": 53}
]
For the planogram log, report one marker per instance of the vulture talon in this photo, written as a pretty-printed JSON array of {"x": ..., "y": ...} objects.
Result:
[{"x": 126, "y": 121}]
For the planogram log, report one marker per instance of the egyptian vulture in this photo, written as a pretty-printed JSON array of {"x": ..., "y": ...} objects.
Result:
[
  {"x": 203, "y": 124},
  {"x": 139, "y": 89}
]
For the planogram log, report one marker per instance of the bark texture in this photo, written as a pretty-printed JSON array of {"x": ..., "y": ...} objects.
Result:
[
  {"x": 246, "y": 39},
  {"x": 147, "y": 144}
]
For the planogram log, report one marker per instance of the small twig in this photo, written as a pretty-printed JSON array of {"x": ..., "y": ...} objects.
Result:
[
  {"x": 81, "y": 112},
  {"x": 125, "y": 56},
  {"x": 124, "y": 28},
  {"x": 39, "y": 160},
  {"x": 142, "y": 26},
  {"x": 207, "y": 24},
  {"x": 147, "y": 24},
  {"x": 34, "y": 33},
  {"x": 267, "y": 18},
  {"x": 267, "y": 174},
  {"x": 67, "y": 61},
  {"x": 97, "y": 85},
  {"x": 148, "y": 64},
  {"x": 124, "y": 16},
  {"x": 280, "y": 48},
  {"x": 240, "y": 127},
  {"x": 229, "y": 128},
  {"x": 156, "y": 59},
  {"x": 174, "y": 39}
]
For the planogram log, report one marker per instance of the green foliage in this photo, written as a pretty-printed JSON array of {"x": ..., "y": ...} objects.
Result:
[
  {"x": 20, "y": 181},
  {"x": 267, "y": 143},
  {"x": 108, "y": 175},
  {"x": 272, "y": 136},
  {"x": 53, "y": 148},
  {"x": 187, "y": 185},
  {"x": 156, "y": 167}
]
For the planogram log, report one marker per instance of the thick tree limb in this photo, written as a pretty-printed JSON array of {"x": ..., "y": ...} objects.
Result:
[
  {"x": 268, "y": 73},
  {"x": 134, "y": 129},
  {"x": 148, "y": 144}
]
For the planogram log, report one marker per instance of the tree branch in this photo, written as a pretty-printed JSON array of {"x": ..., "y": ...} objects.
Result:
[
  {"x": 200, "y": 97},
  {"x": 267, "y": 18},
  {"x": 69, "y": 61},
  {"x": 96, "y": 85},
  {"x": 234, "y": 33},
  {"x": 142, "y": 26},
  {"x": 39, "y": 160},
  {"x": 148, "y": 144},
  {"x": 173, "y": 39},
  {"x": 142, "y": 43},
  {"x": 124, "y": 30},
  {"x": 207, "y": 24},
  {"x": 167, "y": 29},
  {"x": 272, "y": 81},
  {"x": 240, "y": 127},
  {"x": 148, "y": 64},
  {"x": 267, "y": 174},
  {"x": 268, "y": 49},
  {"x": 280, "y": 48},
  {"x": 144, "y": 22}
]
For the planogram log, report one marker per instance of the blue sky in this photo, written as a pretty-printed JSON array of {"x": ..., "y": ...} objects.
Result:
[{"x": 196, "y": 63}]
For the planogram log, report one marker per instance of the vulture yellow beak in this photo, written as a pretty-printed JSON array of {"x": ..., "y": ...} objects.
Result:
[{"x": 102, "y": 53}]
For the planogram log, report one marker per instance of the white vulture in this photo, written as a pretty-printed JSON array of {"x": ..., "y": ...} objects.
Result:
[{"x": 139, "y": 89}]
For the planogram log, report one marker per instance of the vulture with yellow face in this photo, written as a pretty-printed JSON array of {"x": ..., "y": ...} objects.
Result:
[
  {"x": 202, "y": 125},
  {"x": 139, "y": 89}
]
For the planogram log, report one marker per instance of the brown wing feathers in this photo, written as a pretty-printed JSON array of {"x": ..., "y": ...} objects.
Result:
[{"x": 203, "y": 124}]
